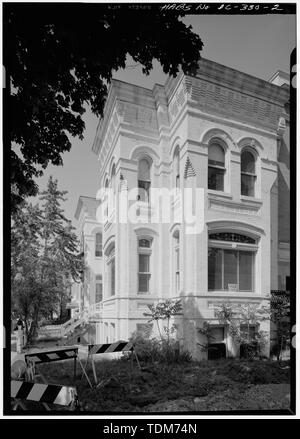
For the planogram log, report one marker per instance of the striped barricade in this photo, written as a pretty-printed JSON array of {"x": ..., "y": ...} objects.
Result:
[
  {"x": 22, "y": 391},
  {"x": 47, "y": 356},
  {"x": 106, "y": 348}
]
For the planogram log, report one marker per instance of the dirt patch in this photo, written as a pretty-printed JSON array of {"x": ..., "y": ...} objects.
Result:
[{"x": 198, "y": 386}]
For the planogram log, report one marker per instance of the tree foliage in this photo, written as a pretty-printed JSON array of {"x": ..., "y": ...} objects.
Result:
[
  {"x": 44, "y": 259},
  {"x": 58, "y": 58}
]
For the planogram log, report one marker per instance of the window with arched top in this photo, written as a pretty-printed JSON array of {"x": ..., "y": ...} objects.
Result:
[
  {"x": 216, "y": 166},
  {"x": 144, "y": 180},
  {"x": 176, "y": 168},
  {"x": 98, "y": 245},
  {"x": 248, "y": 173}
]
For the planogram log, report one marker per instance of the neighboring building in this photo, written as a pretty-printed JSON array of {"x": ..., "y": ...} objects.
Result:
[
  {"x": 219, "y": 133},
  {"x": 90, "y": 291}
]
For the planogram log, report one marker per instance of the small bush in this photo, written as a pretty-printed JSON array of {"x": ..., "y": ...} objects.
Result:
[{"x": 155, "y": 350}]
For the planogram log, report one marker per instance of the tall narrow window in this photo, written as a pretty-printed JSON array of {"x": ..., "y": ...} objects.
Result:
[
  {"x": 177, "y": 168},
  {"x": 112, "y": 194},
  {"x": 112, "y": 277},
  {"x": 248, "y": 176},
  {"x": 98, "y": 245},
  {"x": 111, "y": 271},
  {"x": 177, "y": 260},
  {"x": 144, "y": 274},
  {"x": 144, "y": 180},
  {"x": 106, "y": 198},
  {"x": 216, "y": 167},
  {"x": 99, "y": 290}
]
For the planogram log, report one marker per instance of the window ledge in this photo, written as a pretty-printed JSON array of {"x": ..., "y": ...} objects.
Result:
[
  {"x": 219, "y": 194},
  {"x": 252, "y": 200},
  {"x": 236, "y": 294}
]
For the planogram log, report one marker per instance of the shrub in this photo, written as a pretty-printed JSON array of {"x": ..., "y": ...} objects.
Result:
[{"x": 155, "y": 350}]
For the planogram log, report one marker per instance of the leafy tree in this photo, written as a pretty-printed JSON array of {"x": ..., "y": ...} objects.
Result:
[
  {"x": 165, "y": 311},
  {"x": 45, "y": 259},
  {"x": 58, "y": 58}
]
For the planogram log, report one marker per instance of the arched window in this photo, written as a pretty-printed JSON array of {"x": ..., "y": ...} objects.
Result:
[
  {"x": 176, "y": 168},
  {"x": 144, "y": 273},
  {"x": 99, "y": 290},
  {"x": 231, "y": 259},
  {"x": 98, "y": 245},
  {"x": 176, "y": 242},
  {"x": 216, "y": 167},
  {"x": 144, "y": 180},
  {"x": 248, "y": 175}
]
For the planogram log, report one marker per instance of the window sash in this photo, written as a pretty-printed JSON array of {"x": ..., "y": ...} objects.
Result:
[
  {"x": 223, "y": 274},
  {"x": 99, "y": 292},
  {"x": 144, "y": 273},
  {"x": 216, "y": 178},
  {"x": 144, "y": 190},
  {"x": 112, "y": 277},
  {"x": 248, "y": 184}
]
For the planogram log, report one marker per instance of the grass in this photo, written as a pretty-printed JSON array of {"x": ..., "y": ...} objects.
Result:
[{"x": 201, "y": 385}]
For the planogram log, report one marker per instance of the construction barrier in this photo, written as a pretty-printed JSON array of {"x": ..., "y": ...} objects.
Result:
[
  {"x": 43, "y": 393},
  {"x": 45, "y": 356},
  {"x": 118, "y": 346}
]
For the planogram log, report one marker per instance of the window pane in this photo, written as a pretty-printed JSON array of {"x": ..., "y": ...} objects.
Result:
[
  {"x": 247, "y": 162},
  {"x": 246, "y": 271},
  {"x": 144, "y": 243},
  {"x": 98, "y": 249},
  {"x": 143, "y": 190},
  {"x": 144, "y": 263},
  {"x": 247, "y": 185},
  {"x": 98, "y": 297},
  {"x": 177, "y": 281},
  {"x": 230, "y": 268},
  {"x": 215, "y": 178},
  {"x": 216, "y": 155},
  {"x": 214, "y": 269},
  {"x": 112, "y": 279},
  {"x": 177, "y": 259},
  {"x": 144, "y": 170},
  {"x": 144, "y": 283}
]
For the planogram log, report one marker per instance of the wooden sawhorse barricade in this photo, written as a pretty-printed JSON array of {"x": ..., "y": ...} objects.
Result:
[
  {"x": 47, "y": 356},
  {"x": 22, "y": 391},
  {"x": 118, "y": 346}
]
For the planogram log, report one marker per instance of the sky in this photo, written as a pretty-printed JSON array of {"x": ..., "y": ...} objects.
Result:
[{"x": 257, "y": 45}]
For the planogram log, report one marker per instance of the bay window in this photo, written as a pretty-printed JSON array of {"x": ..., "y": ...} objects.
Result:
[{"x": 231, "y": 261}]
